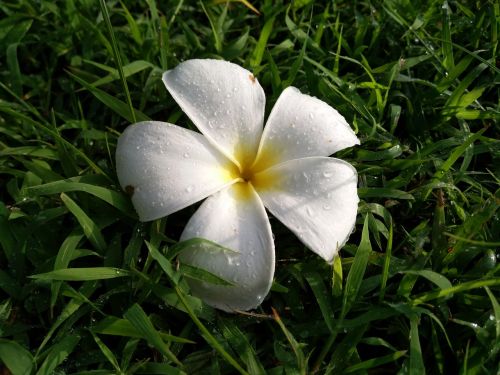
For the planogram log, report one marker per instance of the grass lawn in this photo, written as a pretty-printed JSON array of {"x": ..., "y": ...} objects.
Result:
[{"x": 86, "y": 288}]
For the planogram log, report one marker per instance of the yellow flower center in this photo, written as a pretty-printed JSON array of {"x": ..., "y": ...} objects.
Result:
[{"x": 254, "y": 174}]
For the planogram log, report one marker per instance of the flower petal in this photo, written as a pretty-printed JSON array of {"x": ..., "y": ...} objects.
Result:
[
  {"x": 167, "y": 168},
  {"x": 302, "y": 126},
  {"x": 316, "y": 198},
  {"x": 234, "y": 218},
  {"x": 224, "y": 101}
]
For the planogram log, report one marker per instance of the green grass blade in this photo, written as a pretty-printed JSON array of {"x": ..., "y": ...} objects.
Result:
[
  {"x": 107, "y": 353},
  {"x": 57, "y": 354},
  {"x": 111, "y": 102},
  {"x": 116, "y": 199},
  {"x": 469, "y": 285},
  {"x": 337, "y": 276},
  {"x": 496, "y": 310},
  {"x": 164, "y": 263},
  {"x": 322, "y": 297},
  {"x": 211, "y": 340},
  {"x": 118, "y": 58},
  {"x": 128, "y": 70},
  {"x": 64, "y": 256},
  {"x": 71, "y": 307},
  {"x": 416, "y": 361},
  {"x": 384, "y": 193},
  {"x": 260, "y": 47},
  {"x": 375, "y": 362},
  {"x": 438, "y": 279},
  {"x": 123, "y": 327},
  {"x": 357, "y": 271},
  {"x": 242, "y": 346},
  {"x": 82, "y": 274},
  {"x": 447, "y": 47},
  {"x": 140, "y": 321},
  {"x": 202, "y": 275},
  {"x": 90, "y": 228},
  {"x": 17, "y": 359},
  {"x": 296, "y": 347}
]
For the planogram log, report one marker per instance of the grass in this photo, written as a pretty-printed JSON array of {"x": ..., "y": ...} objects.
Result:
[{"x": 87, "y": 289}]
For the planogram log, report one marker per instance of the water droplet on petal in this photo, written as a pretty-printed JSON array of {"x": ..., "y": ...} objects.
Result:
[
  {"x": 311, "y": 115},
  {"x": 189, "y": 189},
  {"x": 327, "y": 174},
  {"x": 186, "y": 155}
]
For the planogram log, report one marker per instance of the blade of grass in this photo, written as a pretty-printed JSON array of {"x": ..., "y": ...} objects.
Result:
[
  {"x": 57, "y": 354},
  {"x": 375, "y": 362},
  {"x": 113, "y": 103},
  {"x": 438, "y": 279},
  {"x": 64, "y": 256},
  {"x": 71, "y": 307},
  {"x": 118, "y": 59},
  {"x": 337, "y": 276},
  {"x": 296, "y": 347},
  {"x": 496, "y": 310},
  {"x": 81, "y": 274},
  {"x": 416, "y": 361},
  {"x": 353, "y": 283},
  {"x": 84, "y": 184},
  {"x": 322, "y": 297},
  {"x": 16, "y": 358},
  {"x": 469, "y": 285},
  {"x": 211, "y": 340},
  {"x": 90, "y": 228},
  {"x": 242, "y": 346},
  {"x": 141, "y": 322},
  {"x": 258, "y": 52},
  {"x": 357, "y": 271},
  {"x": 123, "y": 327},
  {"x": 108, "y": 354}
]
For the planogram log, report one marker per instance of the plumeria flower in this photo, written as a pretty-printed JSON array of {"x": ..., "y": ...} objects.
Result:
[{"x": 242, "y": 168}]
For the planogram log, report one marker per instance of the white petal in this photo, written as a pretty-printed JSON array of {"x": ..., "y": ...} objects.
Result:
[
  {"x": 168, "y": 168},
  {"x": 302, "y": 126},
  {"x": 224, "y": 101},
  {"x": 316, "y": 198},
  {"x": 234, "y": 218}
]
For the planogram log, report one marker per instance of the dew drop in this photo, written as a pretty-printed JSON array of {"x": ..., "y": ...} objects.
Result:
[
  {"x": 327, "y": 174},
  {"x": 311, "y": 115},
  {"x": 189, "y": 189},
  {"x": 186, "y": 155},
  {"x": 326, "y": 207}
]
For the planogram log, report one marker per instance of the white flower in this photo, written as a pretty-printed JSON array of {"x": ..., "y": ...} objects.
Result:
[{"x": 242, "y": 168}]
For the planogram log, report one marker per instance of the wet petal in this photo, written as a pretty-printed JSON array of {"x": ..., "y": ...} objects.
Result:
[
  {"x": 166, "y": 168},
  {"x": 316, "y": 198},
  {"x": 234, "y": 218},
  {"x": 224, "y": 101},
  {"x": 302, "y": 126}
]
